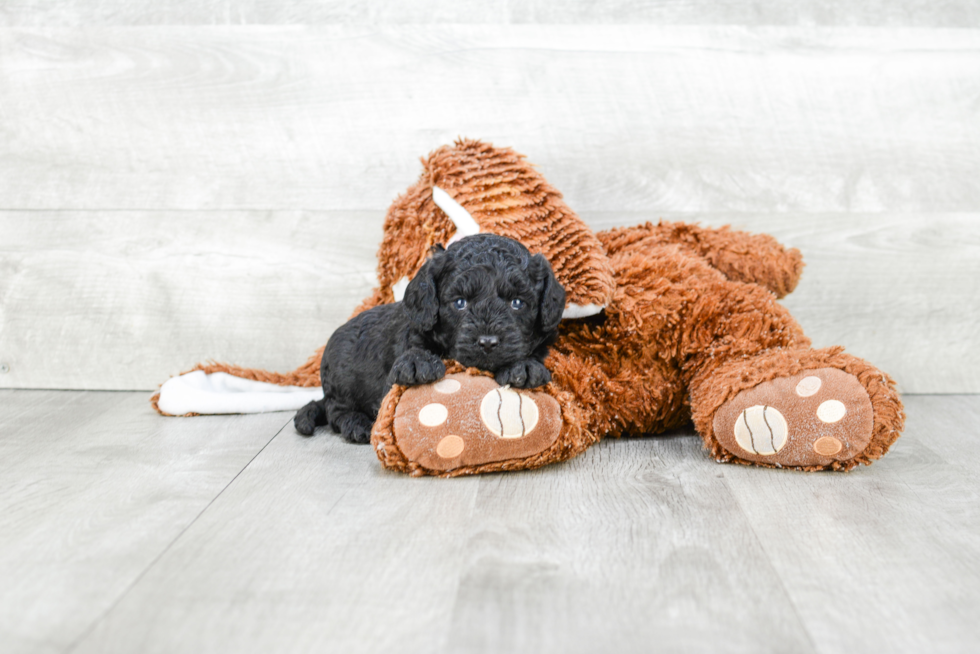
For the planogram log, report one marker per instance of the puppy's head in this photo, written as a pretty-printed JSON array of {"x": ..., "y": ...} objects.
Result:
[{"x": 486, "y": 301}]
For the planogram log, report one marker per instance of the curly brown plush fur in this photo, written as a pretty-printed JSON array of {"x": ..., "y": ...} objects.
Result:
[
  {"x": 505, "y": 195},
  {"x": 691, "y": 331},
  {"x": 678, "y": 340},
  {"x": 692, "y": 322}
]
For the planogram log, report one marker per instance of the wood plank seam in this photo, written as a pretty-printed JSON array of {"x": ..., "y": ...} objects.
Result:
[{"x": 81, "y": 637}]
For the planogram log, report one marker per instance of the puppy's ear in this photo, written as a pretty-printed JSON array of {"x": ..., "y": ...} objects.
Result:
[
  {"x": 422, "y": 293},
  {"x": 551, "y": 298}
]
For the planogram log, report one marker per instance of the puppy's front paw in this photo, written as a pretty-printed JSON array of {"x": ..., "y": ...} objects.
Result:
[
  {"x": 529, "y": 373},
  {"x": 416, "y": 367}
]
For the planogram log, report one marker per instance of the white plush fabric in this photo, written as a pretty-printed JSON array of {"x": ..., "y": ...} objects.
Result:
[
  {"x": 581, "y": 311},
  {"x": 219, "y": 392},
  {"x": 465, "y": 225},
  {"x": 399, "y": 287}
]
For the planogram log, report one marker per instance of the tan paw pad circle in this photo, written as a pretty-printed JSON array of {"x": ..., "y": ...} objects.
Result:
[
  {"x": 433, "y": 415},
  {"x": 508, "y": 414},
  {"x": 447, "y": 386},
  {"x": 450, "y": 447},
  {"x": 827, "y": 446},
  {"x": 761, "y": 430},
  {"x": 808, "y": 386},
  {"x": 831, "y": 411}
]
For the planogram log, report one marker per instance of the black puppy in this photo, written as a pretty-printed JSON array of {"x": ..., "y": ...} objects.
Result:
[{"x": 484, "y": 301}]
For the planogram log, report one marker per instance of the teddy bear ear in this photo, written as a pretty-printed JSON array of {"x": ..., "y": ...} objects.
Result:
[{"x": 472, "y": 185}]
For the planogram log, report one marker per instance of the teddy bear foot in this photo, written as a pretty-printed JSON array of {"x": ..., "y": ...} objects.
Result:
[
  {"x": 468, "y": 421},
  {"x": 816, "y": 419}
]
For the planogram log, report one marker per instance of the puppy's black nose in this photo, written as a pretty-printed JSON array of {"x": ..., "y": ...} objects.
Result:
[{"x": 488, "y": 342}]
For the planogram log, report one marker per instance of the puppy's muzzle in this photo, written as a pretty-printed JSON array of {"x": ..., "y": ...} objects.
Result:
[{"x": 488, "y": 343}]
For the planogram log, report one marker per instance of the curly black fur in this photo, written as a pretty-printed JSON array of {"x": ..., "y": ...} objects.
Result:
[{"x": 485, "y": 302}]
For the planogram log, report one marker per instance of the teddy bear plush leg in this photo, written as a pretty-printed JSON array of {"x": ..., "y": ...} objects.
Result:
[
  {"x": 805, "y": 409},
  {"x": 739, "y": 256},
  {"x": 758, "y": 393},
  {"x": 466, "y": 424}
]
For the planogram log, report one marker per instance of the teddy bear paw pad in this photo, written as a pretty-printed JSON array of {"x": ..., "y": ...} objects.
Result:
[
  {"x": 810, "y": 419},
  {"x": 468, "y": 420}
]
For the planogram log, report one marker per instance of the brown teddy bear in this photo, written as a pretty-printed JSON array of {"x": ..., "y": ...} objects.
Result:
[
  {"x": 664, "y": 324},
  {"x": 674, "y": 322}
]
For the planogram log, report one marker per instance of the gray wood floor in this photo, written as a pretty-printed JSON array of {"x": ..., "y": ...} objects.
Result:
[{"x": 121, "y": 531}]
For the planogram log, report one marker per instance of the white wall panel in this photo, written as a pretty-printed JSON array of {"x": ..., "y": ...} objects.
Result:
[
  {"x": 123, "y": 300},
  {"x": 619, "y": 118},
  {"x": 173, "y": 193},
  {"x": 918, "y": 13}
]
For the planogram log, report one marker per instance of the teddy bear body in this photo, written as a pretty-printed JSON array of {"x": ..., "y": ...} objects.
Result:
[
  {"x": 673, "y": 316},
  {"x": 664, "y": 324},
  {"x": 689, "y": 329}
]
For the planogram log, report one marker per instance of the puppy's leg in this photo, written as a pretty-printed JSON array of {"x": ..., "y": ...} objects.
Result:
[
  {"x": 529, "y": 373},
  {"x": 416, "y": 366},
  {"x": 355, "y": 427},
  {"x": 310, "y": 417}
]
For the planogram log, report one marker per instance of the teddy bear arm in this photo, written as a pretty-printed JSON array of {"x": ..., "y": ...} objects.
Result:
[
  {"x": 740, "y": 256},
  {"x": 466, "y": 424},
  {"x": 753, "y": 258}
]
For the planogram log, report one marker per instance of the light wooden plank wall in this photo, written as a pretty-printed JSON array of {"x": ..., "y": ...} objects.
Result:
[
  {"x": 170, "y": 193},
  {"x": 918, "y": 13},
  {"x": 122, "y": 300},
  {"x": 620, "y": 118}
]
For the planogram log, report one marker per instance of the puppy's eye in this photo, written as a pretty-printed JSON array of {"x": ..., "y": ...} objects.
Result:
[
  {"x": 460, "y": 303},
  {"x": 516, "y": 304}
]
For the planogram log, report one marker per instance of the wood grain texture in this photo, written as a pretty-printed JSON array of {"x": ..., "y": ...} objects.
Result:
[
  {"x": 637, "y": 544},
  {"x": 948, "y": 426},
  {"x": 124, "y": 300},
  {"x": 918, "y": 13},
  {"x": 885, "y": 558},
  {"x": 315, "y": 548},
  {"x": 642, "y": 118},
  {"x": 93, "y": 488},
  {"x": 109, "y": 542}
]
